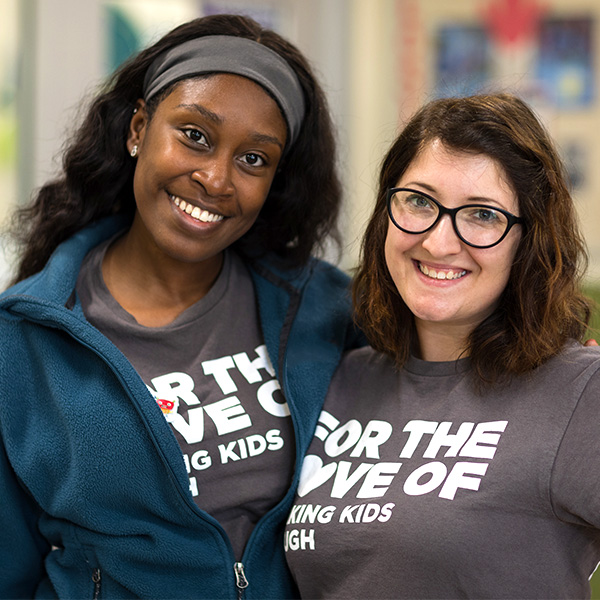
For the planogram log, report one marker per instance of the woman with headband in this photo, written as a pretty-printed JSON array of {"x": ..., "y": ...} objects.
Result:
[{"x": 168, "y": 341}]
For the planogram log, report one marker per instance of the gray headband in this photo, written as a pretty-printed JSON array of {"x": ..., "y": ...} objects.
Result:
[{"x": 229, "y": 54}]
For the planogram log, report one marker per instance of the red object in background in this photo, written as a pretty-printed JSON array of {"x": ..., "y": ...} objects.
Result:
[{"x": 512, "y": 22}]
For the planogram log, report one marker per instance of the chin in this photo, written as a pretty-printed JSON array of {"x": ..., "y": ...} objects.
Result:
[{"x": 433, "y": 312}]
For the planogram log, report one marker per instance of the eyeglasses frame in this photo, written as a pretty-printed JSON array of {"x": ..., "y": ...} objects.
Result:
[{"x": 511, "y": 219}]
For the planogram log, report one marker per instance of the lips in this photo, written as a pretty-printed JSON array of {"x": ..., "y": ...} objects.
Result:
[{"x": 197, "y": 213}]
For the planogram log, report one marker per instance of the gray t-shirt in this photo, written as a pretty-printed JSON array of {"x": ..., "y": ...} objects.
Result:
[
  {"x": 210, "y": 373},
  {"x": 416, "y": 487}
]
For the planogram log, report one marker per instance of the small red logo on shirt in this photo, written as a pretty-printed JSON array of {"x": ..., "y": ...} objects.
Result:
[{"x": 166, "y": 405}]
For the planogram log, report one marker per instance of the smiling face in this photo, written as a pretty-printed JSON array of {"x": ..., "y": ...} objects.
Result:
[
  {"x": 449, "y": 286},
  {"x": 205, "y": 163}
]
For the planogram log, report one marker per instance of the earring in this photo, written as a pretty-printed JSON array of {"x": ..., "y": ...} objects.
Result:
[{"x": 134, "y": 151}]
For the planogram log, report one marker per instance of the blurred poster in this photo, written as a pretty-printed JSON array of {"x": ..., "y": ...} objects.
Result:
[
  {"x": 518, "y": 43},
  {"x": 564, "y": 66},
  {"x": 463, "y": 60},
  {"x": 266, "y": 13}
]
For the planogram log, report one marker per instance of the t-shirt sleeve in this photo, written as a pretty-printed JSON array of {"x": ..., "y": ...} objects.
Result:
[{"x": 575, "y": 479}]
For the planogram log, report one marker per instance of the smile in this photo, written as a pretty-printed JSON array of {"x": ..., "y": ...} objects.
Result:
[
  {"x": 433, "y": 274},
  {"x": 194, "y": 211}
]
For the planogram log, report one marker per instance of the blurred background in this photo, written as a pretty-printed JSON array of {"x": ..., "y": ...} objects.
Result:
[{"x": 378, "y": 61}]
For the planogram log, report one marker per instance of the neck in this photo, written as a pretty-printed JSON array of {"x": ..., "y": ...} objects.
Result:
[
  {"x": 438, "y": 343},
  {"x": 152, "y": 287}
]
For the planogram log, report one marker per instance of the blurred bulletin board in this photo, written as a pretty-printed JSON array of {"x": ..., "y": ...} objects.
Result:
[{"x": 547, "y": 52}]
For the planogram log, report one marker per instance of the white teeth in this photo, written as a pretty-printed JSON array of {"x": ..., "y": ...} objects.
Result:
[
  {"x": 440, "y": 274},
  {"x": 195, "y": 212}
]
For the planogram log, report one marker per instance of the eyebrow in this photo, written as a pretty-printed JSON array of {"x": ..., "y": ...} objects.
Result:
[
  {"x": 209, "y": 114},
  {"x": 266, "y": 139},
  {"x": 472, "y": 200},
  {"x": 217, "y": 119}
]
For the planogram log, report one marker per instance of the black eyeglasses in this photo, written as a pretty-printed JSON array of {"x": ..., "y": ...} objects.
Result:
[{"x": 477, "y": 225}]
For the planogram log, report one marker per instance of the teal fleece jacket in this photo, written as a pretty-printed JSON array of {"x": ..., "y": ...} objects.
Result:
[{"x": 95, "y": 496}]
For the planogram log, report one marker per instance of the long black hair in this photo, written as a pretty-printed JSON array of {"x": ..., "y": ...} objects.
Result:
[{"x": 97, "y": 176}]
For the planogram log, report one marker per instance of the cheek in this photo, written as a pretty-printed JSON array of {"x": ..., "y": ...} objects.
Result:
[
  {"x": 260, "y": 199},
  {"x": 139, "y": 182},
  {"x": 255, "y": 197},
  {"x": 390, "y": 254},
  {"x": 396, "y": 245},
  {"x": 497, "y": 267},
  {"x": 251, "y": 209},
  {"x": 506, "y": 256}
]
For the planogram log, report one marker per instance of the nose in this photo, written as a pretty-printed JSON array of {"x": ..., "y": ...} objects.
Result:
[
  {"x": 442, "y": 239},
  {"x": 214, "y": 174}
]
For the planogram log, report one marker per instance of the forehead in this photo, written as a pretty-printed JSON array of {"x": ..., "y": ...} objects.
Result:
[
  {"x": 228, "y": 97},
  {"x": 459, "y": 175}
]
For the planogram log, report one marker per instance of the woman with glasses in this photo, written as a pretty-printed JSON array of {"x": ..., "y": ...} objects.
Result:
[{"x": 458, "y": 456}]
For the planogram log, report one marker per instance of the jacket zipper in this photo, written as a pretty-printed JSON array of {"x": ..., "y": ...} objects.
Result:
[
  {"x": 240, "y": 579},
  {"x": 96, "y": 578}
]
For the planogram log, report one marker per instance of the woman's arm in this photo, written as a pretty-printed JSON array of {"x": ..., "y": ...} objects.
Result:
[{"x": 22, "y": 547}]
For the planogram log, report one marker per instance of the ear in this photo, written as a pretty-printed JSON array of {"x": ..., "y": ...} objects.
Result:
[{"x": 137, "y": 125}]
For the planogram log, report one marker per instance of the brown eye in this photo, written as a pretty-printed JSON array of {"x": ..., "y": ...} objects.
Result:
[
  {"x": 195, "y": 135},
  {"x": 254, "y": 160}
]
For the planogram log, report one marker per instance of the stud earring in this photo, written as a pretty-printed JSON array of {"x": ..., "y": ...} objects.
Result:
[{"x": 134, "y": 151}]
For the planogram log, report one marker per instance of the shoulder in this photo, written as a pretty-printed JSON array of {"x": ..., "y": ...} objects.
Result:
[
  {"x": 56, "y": 281},
  {"x": 319, "y": 286},
  {"x": 363, "y": 366},
  {"x": 324, "y": 269},
  {"x": 575, "y": 363},
  {"x": 328, "y": 284},
  {"x": 575, "y": 484},
  {"x": 567, "y": 383},
  {"x": 575, "y": 351},
  {"x": 315, "y": 270}
]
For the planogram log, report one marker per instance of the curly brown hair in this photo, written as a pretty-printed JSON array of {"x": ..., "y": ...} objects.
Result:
[
  {"x": 300, "y": 212},
  {"x": 542, "y": 305}
]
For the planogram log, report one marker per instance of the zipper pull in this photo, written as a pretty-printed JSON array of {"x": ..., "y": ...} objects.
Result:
[
  {"x": 240, "y": 578},
  {"x": 96, "y": 578}
]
